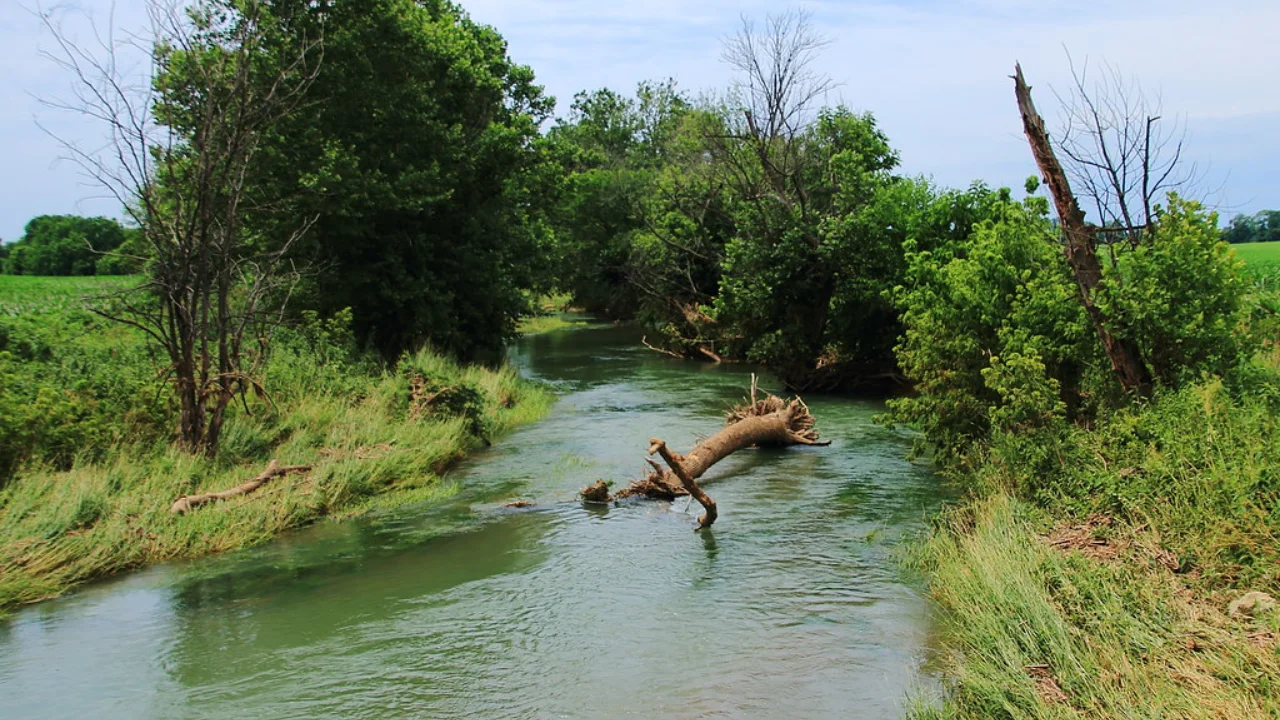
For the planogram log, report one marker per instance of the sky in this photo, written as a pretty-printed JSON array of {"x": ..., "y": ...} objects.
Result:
[{"x": 934, "y": 73}]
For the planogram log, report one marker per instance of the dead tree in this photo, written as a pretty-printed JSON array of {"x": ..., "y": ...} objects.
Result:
[
  {"x": 771, "y": 422},
  {"x": 1080, "y": 248},
  {"x": 778, "y": 87},
  {"x": 1122, "y": 153},
  {"x": 182, "y": 137}
]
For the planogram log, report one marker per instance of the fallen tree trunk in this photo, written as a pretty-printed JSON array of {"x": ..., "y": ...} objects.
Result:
[
  {"x": 274, "y": 469},
  {"x": 771, "y": 422}
]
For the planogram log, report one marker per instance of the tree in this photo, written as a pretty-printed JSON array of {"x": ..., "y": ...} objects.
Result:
[
  {"x": 420, "y": 150},
  {"x": 180, "y": 155},
  {"x": 1123, "y": 155},
  {"x": 68, "y": 245},
  {"x": 1260, "y": 227},
  {"x": 615, "y": 150},
  {"x": 1126, "y": 359}
]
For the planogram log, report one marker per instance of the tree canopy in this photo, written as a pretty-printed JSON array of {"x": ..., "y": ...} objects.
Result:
[
  {"x": 1263, "y": 226},
  {"x": 419, "y": 154},
  {"x": 68, "y": 245}
]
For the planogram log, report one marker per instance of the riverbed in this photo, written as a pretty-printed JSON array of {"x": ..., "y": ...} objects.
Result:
[{"x": 794, "y": 605}]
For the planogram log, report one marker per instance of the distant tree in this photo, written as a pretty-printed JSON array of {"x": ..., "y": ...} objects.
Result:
[
  {"x": 1263, "y": 226},
  {"x": 68, "y": 245}
]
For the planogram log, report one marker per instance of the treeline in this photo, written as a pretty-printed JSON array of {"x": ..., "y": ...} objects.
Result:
[
  {"x": 1263, "y": 226},
  {"x": 71, "y": 245},
  {"x": 751, "y": 228}
]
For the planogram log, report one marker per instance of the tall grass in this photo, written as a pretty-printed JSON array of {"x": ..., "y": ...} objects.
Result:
[
  {"x": 1091, "y": 575},
  {"x": 64, "y": 520}
]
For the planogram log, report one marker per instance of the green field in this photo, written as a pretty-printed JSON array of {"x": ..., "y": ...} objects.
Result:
[
  {"x": 1259, "y": 257},
  {"x": 26, "y": 294}
]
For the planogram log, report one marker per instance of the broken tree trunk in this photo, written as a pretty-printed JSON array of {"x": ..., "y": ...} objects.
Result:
[
  {"x": 274, "y": 469},
  {"x": 676, "y": 464},
  {"x": 1126, "y": 358},
  {"x": 771, "y": 422}
]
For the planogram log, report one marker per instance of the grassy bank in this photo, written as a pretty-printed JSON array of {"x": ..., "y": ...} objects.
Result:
[
  {"x": 548, "y": 315},
  {"x": 1093, "y": 576},
  {"x": 92, "y": 468}
]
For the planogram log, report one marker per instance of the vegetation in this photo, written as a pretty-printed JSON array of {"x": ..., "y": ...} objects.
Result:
[
  {"x": 1106, "y": 535},
  {"x": 88, "y": 431},
  {"x": 1261, "y": 227},
  {"x": 1260, "y": 258},
  {"x": 425, "y": 172},
  {"x": 71, "y": 245},
  {"x": 758, "y": 227},
  {"x": 324, "y": 191}
]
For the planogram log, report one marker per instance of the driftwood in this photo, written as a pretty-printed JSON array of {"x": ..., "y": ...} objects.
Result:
[
  {"x": 274, "y": 470},
  {"x": 770, "y": 422},
  {"x": 1126, "y": 359}
]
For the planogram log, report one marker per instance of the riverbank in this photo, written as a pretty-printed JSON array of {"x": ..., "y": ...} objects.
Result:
[
  {"x": 1093, "y": 574},
  {"x": 91, "y": 495}
]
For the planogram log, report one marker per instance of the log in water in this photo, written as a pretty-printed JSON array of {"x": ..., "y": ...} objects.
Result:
[{"x": 792, "y": 605}]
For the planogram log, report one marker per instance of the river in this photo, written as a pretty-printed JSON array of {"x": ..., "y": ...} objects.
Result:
[{"x": 794, "y": 605}]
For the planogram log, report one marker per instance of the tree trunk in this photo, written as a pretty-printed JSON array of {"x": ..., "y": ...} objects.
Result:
[
  {"x": 1126, "y": 359},
  {"x": 771, "y": 422}
]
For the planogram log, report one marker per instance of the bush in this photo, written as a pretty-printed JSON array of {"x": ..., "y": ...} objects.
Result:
[
  {"x": 994, "y": 334},
  {"x": 1181, "y": 295}
]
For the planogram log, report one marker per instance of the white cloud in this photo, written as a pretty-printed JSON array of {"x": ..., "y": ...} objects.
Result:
[{"x": 933, "y": 71}]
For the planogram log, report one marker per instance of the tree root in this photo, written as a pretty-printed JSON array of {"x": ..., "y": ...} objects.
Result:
[{"x": 274, "y": 469}]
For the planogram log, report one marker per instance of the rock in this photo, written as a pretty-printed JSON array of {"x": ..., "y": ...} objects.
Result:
[{"x": 1251, "y": 604}]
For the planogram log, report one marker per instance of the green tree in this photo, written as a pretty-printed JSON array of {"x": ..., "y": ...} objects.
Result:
[
  {"x": 614, "y": 149},
  {"x": 68, "y": 245},
  {"x": 419, "y": 153}
]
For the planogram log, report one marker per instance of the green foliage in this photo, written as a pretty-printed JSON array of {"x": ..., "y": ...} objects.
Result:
[
  {"x": 72, "y": 385},
  {"x": 71, "y": 245},
  {"x": 1262, "y": 227},
  {"x": 996, "y": 336},
  {"x": 91, "y": 467},
  {"x": 418, "y": 153},
  {"x": 1181, "y": 296},
  {"x": 674, "y": 215},
  {"x": 615, "y": 150},
  {"x": 993, "y": 332}
]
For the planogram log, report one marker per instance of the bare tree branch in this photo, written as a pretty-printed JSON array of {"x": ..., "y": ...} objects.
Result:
[{"x": 182, "y": 134}]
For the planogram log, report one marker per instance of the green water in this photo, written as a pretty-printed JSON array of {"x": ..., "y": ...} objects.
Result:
[{"x": 792, "y": 606}]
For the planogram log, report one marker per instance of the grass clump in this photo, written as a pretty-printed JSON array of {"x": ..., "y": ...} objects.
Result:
[
  {"x": 1036, "y": 632},
  {"x": 98, "y": 503}
]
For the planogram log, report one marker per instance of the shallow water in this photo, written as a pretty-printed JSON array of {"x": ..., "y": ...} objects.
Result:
[{"x": 792, "y": 605}]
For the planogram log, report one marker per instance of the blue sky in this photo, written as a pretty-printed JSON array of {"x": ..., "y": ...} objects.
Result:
[{"x": 933, "y": 72}]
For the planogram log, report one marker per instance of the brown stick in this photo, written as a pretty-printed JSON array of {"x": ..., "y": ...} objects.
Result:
[
  {"x": 274, "y": 469},
  {"x": 1126, "y": 358},
  {"x": 670, "y": 353},
  {"x": 677, "y": 466}
]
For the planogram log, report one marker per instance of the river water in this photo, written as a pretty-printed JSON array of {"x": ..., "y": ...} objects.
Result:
[{"x": 793, "y": 605}]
